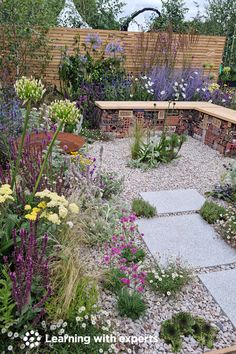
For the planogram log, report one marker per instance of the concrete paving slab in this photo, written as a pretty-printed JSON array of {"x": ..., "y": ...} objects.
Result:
[
  {"x": 174, "y": 201},
  {"x": 222, "y": 286},
  {"x": 188, "y": 237}
]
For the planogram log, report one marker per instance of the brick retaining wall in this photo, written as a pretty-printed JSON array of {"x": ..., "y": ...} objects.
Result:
[{"x": 216, "y": 133}]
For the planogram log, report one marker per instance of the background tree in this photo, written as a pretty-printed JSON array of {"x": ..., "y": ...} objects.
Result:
[
  {"x": 172, "y": 14},
  {"x": 100, "y": 14},
  {"x": 23, "y": 35}
]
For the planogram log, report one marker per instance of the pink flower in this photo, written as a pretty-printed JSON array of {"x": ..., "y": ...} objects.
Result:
[
  {"x": 140, "y": 289},
  {"x": 107, "y": 259},
  {"x": 115, "y": 250},
  {"x": 125, "y": 281},
  {"x": 133, "y": 250}
]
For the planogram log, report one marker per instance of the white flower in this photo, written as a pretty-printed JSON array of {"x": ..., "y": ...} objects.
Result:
[
  {"x": 168, "y": 293},
  {"x": 131, "y": 96},
  {"x": 70, "y": 224},
  {"x": 81, "y": 309},
  {"x": 183, "y": 94},
  {"x": 163, "y": 92},
  {"x": 176, "y": 83},
  {"x": 83, "y": 325},
  {"x": 10, "y": 348}
]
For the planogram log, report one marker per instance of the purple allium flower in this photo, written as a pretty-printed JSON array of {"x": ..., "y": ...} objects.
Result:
[
  {"x": 113, "y": 48},
  {"x": 94, "y": 40}
]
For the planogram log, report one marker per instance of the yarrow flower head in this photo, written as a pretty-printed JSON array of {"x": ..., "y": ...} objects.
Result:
[
  {"x": 29, "y": 90},
  {"x": 64, "y": 111},
  {"x": 5, "y": 193},
  {"x": 52, "y": 207}
]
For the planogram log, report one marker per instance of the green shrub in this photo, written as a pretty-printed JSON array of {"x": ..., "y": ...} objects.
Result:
[
  {"x": 169, "y": 280},
  {"x": 184, "y": 324},
  {"x": 111, "y": 184},
  {"x": 211, "y": 212},
  {"x": 134, "y": 257},
  {"x": 7, "y": 305},
  {"x": 142, "y": 208},
  {"x": 131, "y": 304},
  {"x": 112, "y": 280}
]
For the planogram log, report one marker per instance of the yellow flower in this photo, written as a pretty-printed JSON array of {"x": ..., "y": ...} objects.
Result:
[
  {"x": 36, "y": 210},
  {"x": 27, "y": 207},
  {"x": 42, "y": 205},
  {"x": 54, "y": 218},
  {"x": 63, "y": 211},
  {"x": 74, "y": 153},
  {"x": 32, "y": 216},
  {"x": 74, "y": 208},
  {"x": 5, "y": 189}
]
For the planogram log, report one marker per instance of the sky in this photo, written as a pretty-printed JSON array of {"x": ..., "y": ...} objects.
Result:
[{"x": 133, "y": 5}]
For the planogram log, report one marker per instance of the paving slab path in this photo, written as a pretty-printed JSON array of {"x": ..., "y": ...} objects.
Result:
[{"x": 183, "y": 233}]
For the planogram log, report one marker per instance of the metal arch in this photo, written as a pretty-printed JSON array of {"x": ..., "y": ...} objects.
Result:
[{"x": 125, "y": 25}]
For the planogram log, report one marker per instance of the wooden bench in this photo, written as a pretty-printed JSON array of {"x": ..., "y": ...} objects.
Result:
[{"x": 212, "y": 124}]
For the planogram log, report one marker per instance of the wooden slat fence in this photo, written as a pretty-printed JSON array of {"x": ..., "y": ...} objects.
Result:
[{"x": 143, "y": 50}]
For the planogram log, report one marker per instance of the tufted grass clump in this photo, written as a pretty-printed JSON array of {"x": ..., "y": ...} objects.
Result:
[
  {"x": 211, "y": 212},
  {"x": 141, "y": 208},
  {"x": 130, "y": 304}
]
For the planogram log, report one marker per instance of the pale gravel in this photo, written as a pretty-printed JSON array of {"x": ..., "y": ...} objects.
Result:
[{"x": 199, "y": 167}]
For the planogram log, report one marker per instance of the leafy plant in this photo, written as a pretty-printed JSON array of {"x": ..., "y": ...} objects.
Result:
[
  {"x": 138, "y": 140},
  {"x": 7, "y": 305},
  {"x": 183, "y": 323},
  {"x": 132, "y": 254},
  {"x": 131, "y": 304},
  {"x": 110, "y": 184},
  {"x": 142, "y": 208},
  {"x": 155, "y": 151},
  {"x": 227, "y": 225},
  {"x": 226, "y": 190},
  {"x": 211, "y": 212},
  {"x": 112, "y": 280},
  {"x": 170, "y": 332},
  {"x": 204, "y": 333},
  {"x": 169, "y": 280}
]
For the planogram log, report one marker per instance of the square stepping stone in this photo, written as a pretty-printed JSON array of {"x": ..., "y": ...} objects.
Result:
[
  {"x": 222, "y": 286},
  {"x": 188, "y": 237},
  {"x": 174, "y": 201}
]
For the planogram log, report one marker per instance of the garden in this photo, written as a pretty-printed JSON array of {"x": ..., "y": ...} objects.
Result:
[{"x": 112, "y": 245}]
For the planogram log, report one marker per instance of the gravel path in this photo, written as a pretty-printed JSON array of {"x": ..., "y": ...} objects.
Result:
[{"x": 198, "y": 167}]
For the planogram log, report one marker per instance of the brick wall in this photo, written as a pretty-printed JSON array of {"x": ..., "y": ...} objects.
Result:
[{"x": 216, "y": 133}]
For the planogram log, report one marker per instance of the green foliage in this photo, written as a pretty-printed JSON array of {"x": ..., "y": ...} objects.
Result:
[
  {"x": 92, "y": 67},
  {"x": 172, "y": 14},
  {"x": 227, "y": 225},
  {"x": 86, "y": 296},
  {"x": 93, "y": 135},
  {"x": 24, "y": 37},
  {"x": 112, "y": 280},
  {"x": 138, "y": 140},
  {"x": 8, "y": 221},
  {"x": 153, "y": 152},
  {"x": 211, "y": 212},
  {"x": 134, "y": 257},
  {"x": 131, "y": 304},
  {"x": 204, "y": 333},
  {"x": 169, "y": 280},
  {"x": 141, "y": 208},
  {"x": 7, "y": 305},
  {"x": 111, "y": 184},
  {"x": 183, "y": 323},
  {"x": 100, "y": 14}
]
